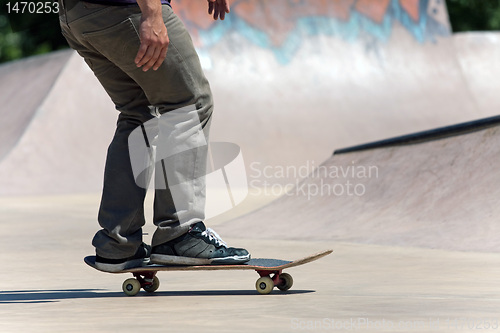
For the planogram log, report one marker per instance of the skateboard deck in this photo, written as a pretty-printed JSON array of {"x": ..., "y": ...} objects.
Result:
[{"x": 270, "y": 271}]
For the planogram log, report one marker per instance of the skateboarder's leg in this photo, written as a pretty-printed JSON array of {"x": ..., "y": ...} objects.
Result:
[
  {"x": 185, "y": 104},
  {"x": 109, "y": 43},
  {"x": 121, "y": 213},
  {"x": 186, "y": 107},
  {"x": 181, "y": 95}
]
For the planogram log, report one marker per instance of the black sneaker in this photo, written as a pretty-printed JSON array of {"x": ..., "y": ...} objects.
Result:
[
  {"x": 139, "y": 259},
  {"x": 199, "y": 246}
]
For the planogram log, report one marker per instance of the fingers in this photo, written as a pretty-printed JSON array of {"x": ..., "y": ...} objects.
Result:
[
  {"x": 150, "y": 56},
  {"x": 218, "y": 8},
  {"x": 140, "y": 58},
  {"x": 161, "y": 58},
  {"x": 210, "y": 7},
  {"x": 154, "y": 45},
  {"x": 153, "y": 58}
]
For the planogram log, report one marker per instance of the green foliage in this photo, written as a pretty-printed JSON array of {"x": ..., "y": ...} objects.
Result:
[
  {"x": 474, "y": 15},
  {"x": 25, "y": 34}
]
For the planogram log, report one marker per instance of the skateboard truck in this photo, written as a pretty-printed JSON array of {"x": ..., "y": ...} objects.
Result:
[
  {"x": 145, "y": 280},
  {"x": 266, "y": 282}
]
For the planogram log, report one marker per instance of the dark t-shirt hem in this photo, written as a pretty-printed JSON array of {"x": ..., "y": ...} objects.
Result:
[{"x": 121, "y": 2}]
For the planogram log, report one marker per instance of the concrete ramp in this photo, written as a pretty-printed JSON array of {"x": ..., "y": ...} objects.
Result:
[
  {"x": 24, "y": 85},
  {"x": 67, "y": 125},
  {"x": 476, "y": 53},
  {"x": 434, "y": 190}
]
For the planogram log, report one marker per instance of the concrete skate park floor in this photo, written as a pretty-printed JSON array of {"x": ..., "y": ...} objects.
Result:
[{"x": 46, "y": 287}]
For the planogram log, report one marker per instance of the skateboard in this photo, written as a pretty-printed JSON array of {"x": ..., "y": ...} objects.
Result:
[{"x": 270, "y": 271}]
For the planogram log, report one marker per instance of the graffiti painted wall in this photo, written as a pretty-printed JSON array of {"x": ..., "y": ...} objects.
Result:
[
  {"x": 281, "y": 25},
  {"x": 294, "y": 79}
]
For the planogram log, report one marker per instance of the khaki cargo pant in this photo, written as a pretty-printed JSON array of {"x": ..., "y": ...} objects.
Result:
[{"x": 107, "y": 38}]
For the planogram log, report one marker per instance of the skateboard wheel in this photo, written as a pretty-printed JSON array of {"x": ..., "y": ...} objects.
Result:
[
  {"x": 131, "y": 287},
  {"x": 153, "y": 287},
  {"x": 286, "y": 282},
  {"x": 264, "y": 285}
]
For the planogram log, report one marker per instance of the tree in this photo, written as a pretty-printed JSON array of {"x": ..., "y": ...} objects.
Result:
[
  {"x": 26, "y": 34},
  {"x": 474, "y": 15}
]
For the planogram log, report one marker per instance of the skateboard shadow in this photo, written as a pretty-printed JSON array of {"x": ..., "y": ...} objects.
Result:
[
  {"x": 225, "y": 293},
  {"x": 50, "y": 296}
]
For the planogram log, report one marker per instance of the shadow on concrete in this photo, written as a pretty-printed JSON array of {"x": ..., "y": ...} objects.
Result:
[{"x": 49, "y": 296}]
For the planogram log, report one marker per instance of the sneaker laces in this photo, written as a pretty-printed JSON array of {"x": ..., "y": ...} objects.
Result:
[{"x": 213, "y": 236}]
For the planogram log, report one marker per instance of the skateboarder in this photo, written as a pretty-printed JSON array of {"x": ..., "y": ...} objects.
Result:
[{"x": 144, "y": 58}]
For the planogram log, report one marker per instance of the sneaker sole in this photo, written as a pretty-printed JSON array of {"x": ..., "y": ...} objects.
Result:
[
  {"x": 163, "y": 259},
  {"x": 115, "y": 268}
]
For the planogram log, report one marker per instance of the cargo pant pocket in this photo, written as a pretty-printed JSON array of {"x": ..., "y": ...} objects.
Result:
[{"x": 118, "y": 43}]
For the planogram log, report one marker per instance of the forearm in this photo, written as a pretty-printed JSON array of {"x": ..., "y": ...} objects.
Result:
[{"x": 150, "y": 7}]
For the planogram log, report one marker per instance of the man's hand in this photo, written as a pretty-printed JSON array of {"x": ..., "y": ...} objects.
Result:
[
  {"x": 153, "y": 34},
  {"x": 219, "y": 8}
]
